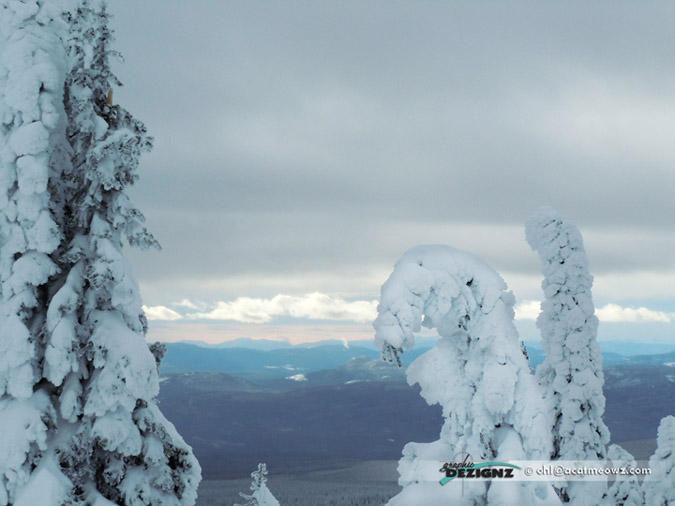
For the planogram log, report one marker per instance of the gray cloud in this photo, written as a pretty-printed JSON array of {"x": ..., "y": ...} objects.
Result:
[{"x": 313, "y": 142}]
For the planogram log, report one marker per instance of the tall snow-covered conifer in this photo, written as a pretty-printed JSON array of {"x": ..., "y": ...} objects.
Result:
[
  {"x": 477, "y": 372},
  {"x": 79, "y": 382},
  {"x": 571, "y": 376}
]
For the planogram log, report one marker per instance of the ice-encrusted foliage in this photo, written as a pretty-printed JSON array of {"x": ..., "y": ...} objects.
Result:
[
  {"x": 32, "y": 122},
  {"x": 260, "y": 494},
  {"x": 122, "y": 447},
  {"x": 659, "y": 488},
  {"x": 627, "y": 490},
  {"x": 32, "y": 65},
  {"x": 571, "y": 376},
  {"x": 477, "y": 373},
  {"x": 78, "y": 384}
]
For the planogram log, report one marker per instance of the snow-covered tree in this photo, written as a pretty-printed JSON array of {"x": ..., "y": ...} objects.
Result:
[
  {"x": 626, "y": 490},
  {"x": 659, "y": 488},
  {"x": 261, "y": 495},
  {"x": 79, "y": 385},
  {"x": 571, "y": 376},
  {"x": 125, "y": 446},
  {"x": 477, "y": 372},
  {"x": 33, "y": 64}
]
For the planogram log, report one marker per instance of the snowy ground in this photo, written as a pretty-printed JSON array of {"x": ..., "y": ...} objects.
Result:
[{"x": 365, "y": 484}]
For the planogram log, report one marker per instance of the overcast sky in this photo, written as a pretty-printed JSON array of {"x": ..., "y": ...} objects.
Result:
[{"x": 302, "y": 147}]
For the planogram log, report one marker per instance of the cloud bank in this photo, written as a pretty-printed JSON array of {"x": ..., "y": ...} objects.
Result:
[
  {"x": 614, "y": 313},
  {"x": 161, "y": 313},
  {"x": 609, "y": 313},
  {"x": 313, "y": 306},
  {"x": 320, "y": 306},
  {"x": 450, "y": 132}
]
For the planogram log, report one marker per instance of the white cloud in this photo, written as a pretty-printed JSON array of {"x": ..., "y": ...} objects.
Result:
[
  {"x": 315, "y": 306},
  {"x": 609, "y": 313},
  {"x": 528, "y": 310},
  {"x": 297, "y": 377},
  {"x": 186, "y": 304},
  {"x": 615, "y": 313},
  {"x": 161, "y": 313},
  {"x": 319, "y": 306}
]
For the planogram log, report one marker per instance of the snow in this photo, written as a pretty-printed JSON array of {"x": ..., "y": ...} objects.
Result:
[
  {"x": 33, "y": 174},
  {"x": 117, "y": 432},
  {"x": 297, "y": 377},
  {"x": 659, "y": 488},
  {"x": 626, "y": 491},
  {"x": 33, "y": 268},
  {"x": 491, "y": 404},
  {"x": 265, "y": 497},
  {"x": 476, "y": 372},
  {"x": 47, "y": 486},
  {"x": 70, "y": 404},
  {"x": 44, "y": 235},
  {"x": 125, "y": 368},
  {"x": 30, "y": 139},
  {"x": 433, "y": 494},
  {"x": 101, "y": 501},
  {"x": 28, "y": 206},
  {"x": 64, "y": 301},
  {"x": 60, "y": 354},
  {"x": 16, "y": 350},
  {"x": 571, "y": 376},
  {"x": 261, "y": 495},
  {"x": 23, "y": 432},
  {"x": 78, "y": 383},
  {"x": 177, "y": 461}
]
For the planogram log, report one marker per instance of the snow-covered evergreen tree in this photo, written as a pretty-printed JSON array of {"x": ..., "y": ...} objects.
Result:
[
  {"x": 32, "y": 155},
  {"x": 79, "y": 384},
  {"x": 129, "y": 452},
  {"x": 625, "y": 491},
  {"x": 659, "y": 488},
  {"x": 571, "y": 376},
  {"x": 477, "y": 372},
  {"x": 261, "y": 495}
]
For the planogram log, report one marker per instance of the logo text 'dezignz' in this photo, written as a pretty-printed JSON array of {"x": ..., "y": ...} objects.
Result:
[{"x": 469, "y": 469}]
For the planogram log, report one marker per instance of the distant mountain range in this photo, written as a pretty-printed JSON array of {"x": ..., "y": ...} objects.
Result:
[
  {"x": 626, "y": 348},
  {"x": 277, "y": 359},
  {"x": 265, "y": 364},
  {"x": 327, "y": 405}
]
